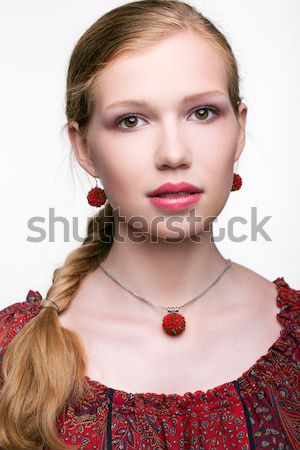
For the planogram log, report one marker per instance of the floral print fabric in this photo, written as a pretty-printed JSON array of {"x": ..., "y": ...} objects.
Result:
[{"x": 260, "y": 409}]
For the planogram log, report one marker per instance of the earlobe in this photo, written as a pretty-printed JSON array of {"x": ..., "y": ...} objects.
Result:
[{"x": 81, "y": 149}]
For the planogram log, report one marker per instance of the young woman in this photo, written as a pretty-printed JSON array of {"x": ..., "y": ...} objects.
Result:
[{"x": 149, "y": 338}]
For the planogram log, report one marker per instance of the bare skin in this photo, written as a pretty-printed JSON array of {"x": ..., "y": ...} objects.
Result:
[
  {"x": 228, "y": 329},
  {"x": 235, "y": 323}
]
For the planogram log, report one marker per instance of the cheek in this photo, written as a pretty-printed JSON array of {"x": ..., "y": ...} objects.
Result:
[
  {"x": 217, "y": 151},
  {"x": 218, "y": 176},
  {"x": 215, "y": 166},
  {"x": 122, "y": 173}
]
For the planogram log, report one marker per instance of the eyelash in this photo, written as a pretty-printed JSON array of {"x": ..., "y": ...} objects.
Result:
[{"x": 210, "y": 108}]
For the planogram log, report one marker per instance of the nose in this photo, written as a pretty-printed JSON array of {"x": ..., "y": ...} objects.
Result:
[{"x": 172, "y": 149}]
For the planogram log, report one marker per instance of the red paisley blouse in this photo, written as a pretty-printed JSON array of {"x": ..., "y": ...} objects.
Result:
[{"x": 258, "y": 410}]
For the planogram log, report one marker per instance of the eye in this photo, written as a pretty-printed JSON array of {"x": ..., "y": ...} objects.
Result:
[
  {"x": 202, "y": 112},
  {"x": 130, "y": 120}
]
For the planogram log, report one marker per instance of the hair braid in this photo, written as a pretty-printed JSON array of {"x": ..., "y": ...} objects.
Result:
[
  {"x": 33, "y": 353},
  {"x": 85, "y": 259}
]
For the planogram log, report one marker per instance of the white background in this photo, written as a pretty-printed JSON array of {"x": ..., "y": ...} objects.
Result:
[{"x": 36, "y": 41}]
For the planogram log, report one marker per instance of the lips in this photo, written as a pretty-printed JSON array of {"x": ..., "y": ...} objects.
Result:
[{"x": 169, "y": 188}]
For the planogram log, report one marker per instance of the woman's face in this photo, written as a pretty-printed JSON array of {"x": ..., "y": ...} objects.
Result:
[{"x": 166, "y": 139}]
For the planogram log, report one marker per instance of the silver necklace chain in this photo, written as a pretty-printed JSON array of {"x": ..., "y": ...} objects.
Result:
[{"x": 168, "y": 308}]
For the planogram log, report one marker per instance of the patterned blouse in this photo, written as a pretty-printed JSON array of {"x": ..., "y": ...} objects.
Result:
[{"x": 258, "y": 410}]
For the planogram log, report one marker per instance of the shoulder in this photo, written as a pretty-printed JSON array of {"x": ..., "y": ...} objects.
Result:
[
  {"x": 15, "y": 316},
  {"x": 267, "y": 297},
  {"x": 256, "y": 283},
  {"x": 289, "y": 302},
  {"x": 277, "y": 297}
]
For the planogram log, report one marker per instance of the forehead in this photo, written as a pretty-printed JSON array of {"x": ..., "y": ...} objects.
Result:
[{"x": 183, "y": 63}]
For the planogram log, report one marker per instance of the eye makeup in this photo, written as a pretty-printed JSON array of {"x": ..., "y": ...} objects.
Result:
[{"x": 210, "y": 109}]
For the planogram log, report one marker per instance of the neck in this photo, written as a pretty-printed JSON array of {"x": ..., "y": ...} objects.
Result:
[{"x": 165, "y": 273}]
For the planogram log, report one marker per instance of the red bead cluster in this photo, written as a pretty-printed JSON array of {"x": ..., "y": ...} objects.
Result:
[
  {"x": 96, "y": 196},
  {"x": 173, "y": 324},
  {"x": 237, "y": 182}
]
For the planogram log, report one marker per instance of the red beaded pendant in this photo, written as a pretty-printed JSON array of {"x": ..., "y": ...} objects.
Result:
[{"x": 173, "y": 323}]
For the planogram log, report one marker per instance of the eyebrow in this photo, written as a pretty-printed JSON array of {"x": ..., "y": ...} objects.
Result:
[{"x": 184, "y": 101}]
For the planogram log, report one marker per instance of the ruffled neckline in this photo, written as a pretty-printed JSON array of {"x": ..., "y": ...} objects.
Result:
[{"x": 217, "y": 395}]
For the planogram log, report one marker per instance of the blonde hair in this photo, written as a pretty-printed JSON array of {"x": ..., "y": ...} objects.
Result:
[{"x": 44, "y": 365}]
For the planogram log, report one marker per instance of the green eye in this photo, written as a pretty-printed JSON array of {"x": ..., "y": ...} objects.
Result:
[
  {"x": 130, "y": 121},
  {"x": 203, "y": 114}
]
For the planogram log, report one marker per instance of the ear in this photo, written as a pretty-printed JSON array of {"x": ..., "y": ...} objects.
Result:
[
  {"x": 242, "y": 119},
  {"x": 81, "y": 149}
]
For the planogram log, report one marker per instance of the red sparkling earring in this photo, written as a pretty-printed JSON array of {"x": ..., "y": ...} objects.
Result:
[
  {"x": 96, "y": 196},
  {"x": 237, "y": 182}
]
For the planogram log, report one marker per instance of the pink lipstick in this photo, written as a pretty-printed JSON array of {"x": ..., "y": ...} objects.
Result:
[{"x": 175, "y": 196}]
